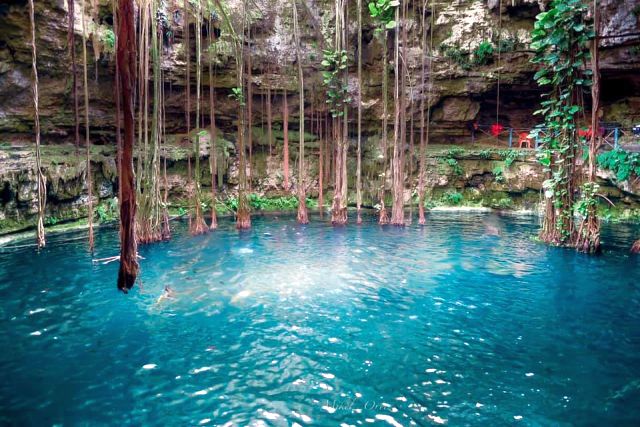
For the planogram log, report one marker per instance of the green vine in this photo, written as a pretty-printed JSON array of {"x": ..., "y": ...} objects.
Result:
[
  {"x": 560, "y": 39},
  {"x": 335, "y": 62},
  {"x": 587, "y": 198}
]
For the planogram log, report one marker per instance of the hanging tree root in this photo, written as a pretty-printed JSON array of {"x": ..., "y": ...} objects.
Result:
[
  {"x": 243, "y": 219},
  {"x": 303, "y": 217},
  {"x": 214, "y": 218},
  {"x": 383, "y": 218},
  {"x": 243, "y": 216},
  {"x": 109, "y": 260},
  {"x": 166, "y": 227},
  {"x": 549, "y": 232},
  {"x": 198, "y": 226},
  {"x": 635, "y": 249},
  {"x": 338, "y": 212},
  {"x": 588, "y": 237}
]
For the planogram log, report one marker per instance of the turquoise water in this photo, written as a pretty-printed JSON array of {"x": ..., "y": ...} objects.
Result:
[{"x": 463, "y": 322}]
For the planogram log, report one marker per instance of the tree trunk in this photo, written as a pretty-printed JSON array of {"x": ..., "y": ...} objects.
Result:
[
  {"x": 42, "y": 186},
  {"x": 187, "y": 88},
  {"x": 213, "y": 156},
  {"x": 359, "y": 100},
  {"x": 198, "y": 226},
  {"x": 86, "y": 126},
  {"x": 71, "y": 41},
  {"x": 250, "y": 111},
  {"x": 423, "y": 152},
  {"x": 383, "y": 217},
  {"x": 126, "y": 57},
  {"x": 243, "y": 216},
  {"x": 397, "y": 210},
  {"x": 339, "y": 207},
  {"x": 285, "y": 131},
  {"x": 320, "y": 167},
  {"x": 269, "y": 121},
  {"x": 588, "y": 239},
  {"x": 303, "y": 217}
]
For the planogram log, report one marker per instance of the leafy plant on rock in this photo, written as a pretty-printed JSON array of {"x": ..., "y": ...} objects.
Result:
[{"x": 483, "y": 54}]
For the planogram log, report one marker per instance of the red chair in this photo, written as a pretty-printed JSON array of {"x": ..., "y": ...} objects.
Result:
[
  {"x": 585, "y": 133},
  {"x": 524, "y": 138}
]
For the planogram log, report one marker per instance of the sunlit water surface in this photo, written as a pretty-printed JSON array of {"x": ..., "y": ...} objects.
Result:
[{"x": 465, "y": 321}]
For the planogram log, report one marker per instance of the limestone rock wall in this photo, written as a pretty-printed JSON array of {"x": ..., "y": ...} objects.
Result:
[
  {"x": 459, "y": 27},
  {"x": 459, "y": 91}
]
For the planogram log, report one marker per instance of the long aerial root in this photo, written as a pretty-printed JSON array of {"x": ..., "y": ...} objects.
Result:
[
  {"x": 588, "y": 238},
  {"x": 198, "y": 226},
  {"x": 303, "y": 216},
  {"x": 243, "y": 219},
  {"x": 338, "y": 212},
  {"x": 214, "y": 219},
  {"x": 108, "y": 260},
  {"x": 384, "y": 216},
  {"x": 166, "y": 227}
]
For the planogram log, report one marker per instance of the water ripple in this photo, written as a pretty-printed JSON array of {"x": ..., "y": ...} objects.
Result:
[{"x": 291, "y": 325}]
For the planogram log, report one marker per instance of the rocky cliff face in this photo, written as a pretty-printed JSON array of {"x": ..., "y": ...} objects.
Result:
[{"x": 461, "y": 89}]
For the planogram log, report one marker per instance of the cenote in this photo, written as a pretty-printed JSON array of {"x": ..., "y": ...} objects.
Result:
[
  {"x": 319, "y": 213},
  {"x": 465, "y": 321}
]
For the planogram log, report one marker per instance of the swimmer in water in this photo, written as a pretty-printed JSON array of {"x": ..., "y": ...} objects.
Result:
[
  {"x": 491, "y": 230},
  {"x": 168, "y": 293},
  {"x": 491, "y": 227}
]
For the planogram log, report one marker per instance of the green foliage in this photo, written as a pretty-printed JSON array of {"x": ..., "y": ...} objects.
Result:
[
  {"x": 430, "y": 203},
  {"x": 335, "y": 64},
  {"x": 561, "y": 39},
  {"x": 620, "y": 162},
  {"x": 454, "y": 165},
  {"x": 456, "y": 151},
  {"x": 52, "y": 220},
  {"x": 452, "y": 162},
  {"x": 507, "y": 44},
  {"x": 457, "y": 55},
  {"x": 498, "y": 172},
  {"x": 261, "y": 203},
  {"x": 452, "y": 198},
  {"x": 237, "y": 95},
  {"x": 509, "y": 157},
  {"x": 108, "y": 211},
  {"x": 231, "y": 204},
  {"x": 587, "y": 199},
  {"x": 485, "y": 154},
  {"x": 383, "y": 11},
  {"x": 483, "y": 54},
  {"x": 503, "y": 203},
  {"x": 109, "y": 39}
]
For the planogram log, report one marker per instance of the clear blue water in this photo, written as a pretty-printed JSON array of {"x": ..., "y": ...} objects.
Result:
[{"x": 451, "y": 323}]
